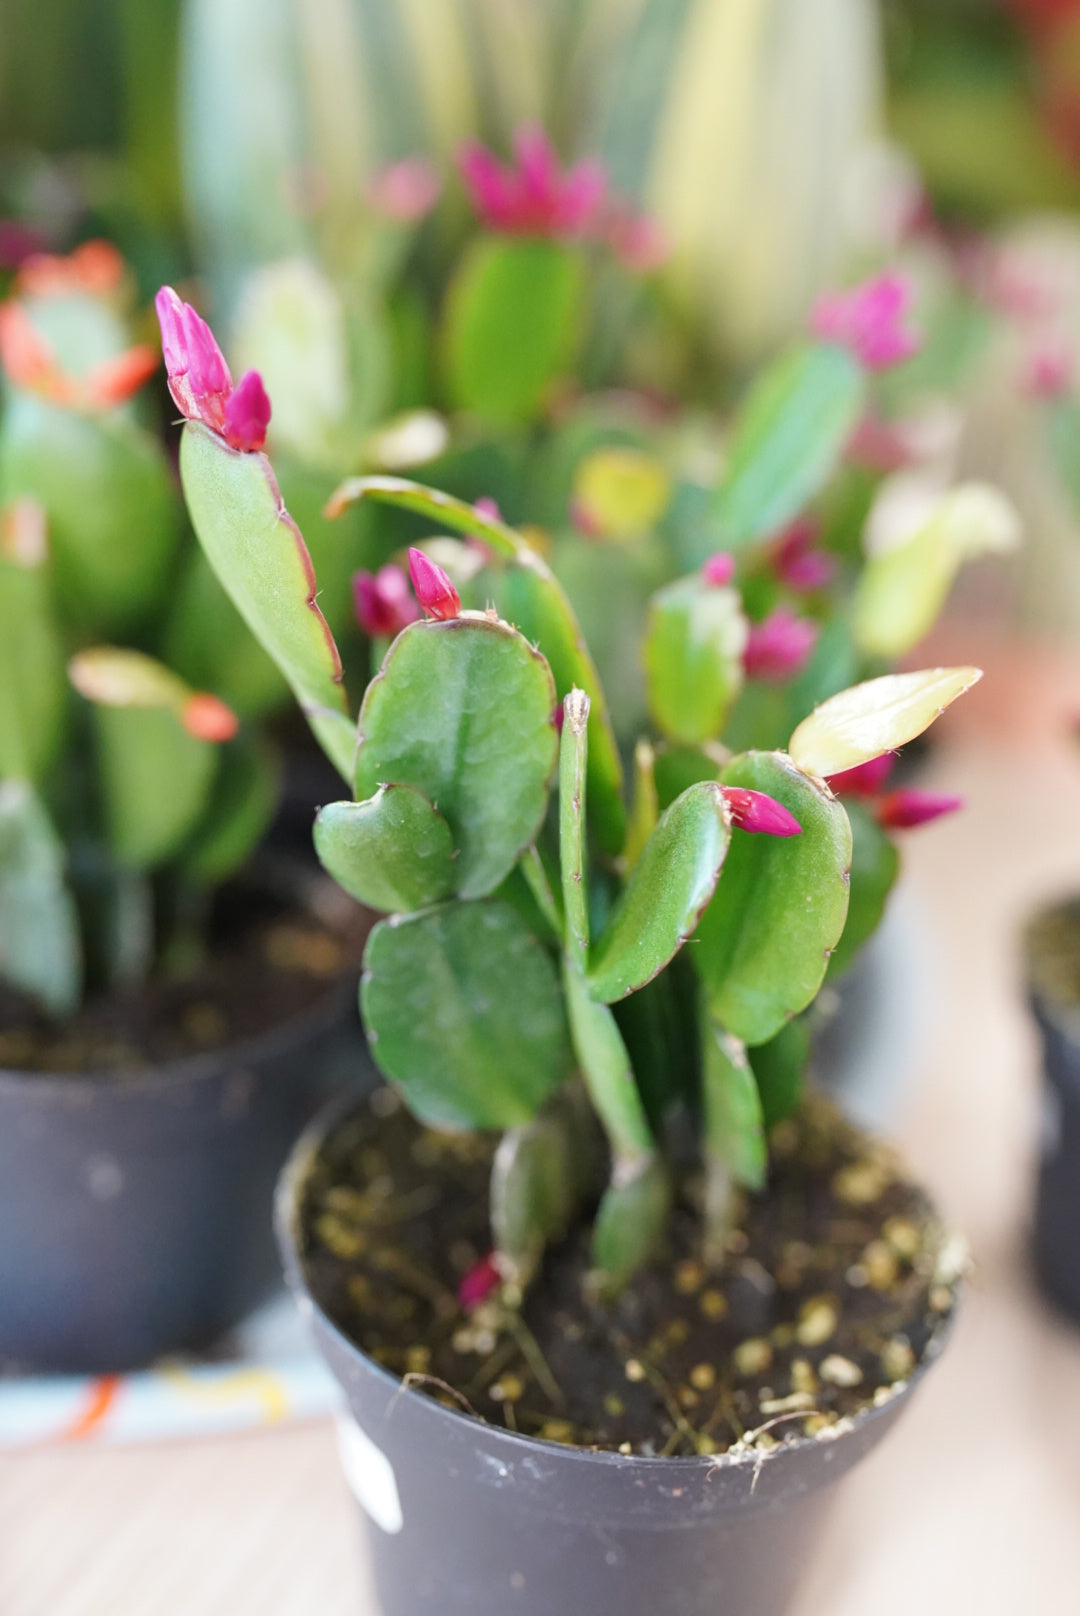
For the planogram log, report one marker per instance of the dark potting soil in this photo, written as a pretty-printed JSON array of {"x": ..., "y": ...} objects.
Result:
[
  {"x": 838, "y": 1282},
  {"x": 271, "y": 958}
]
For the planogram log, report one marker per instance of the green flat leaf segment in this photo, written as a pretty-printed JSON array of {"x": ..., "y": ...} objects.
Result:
[
  {"x": 665, "y": 895},
  {"x": 393, "y": 852},
  {"x": 734, "y": 1130},
  {"x": 780, "y": 905},
  {"x": 260, "y": 557},
  {"x": 694, "y": 646},
  {"x": 39, "y": 932},
  {"x": 788, "y": 438},
  {"x": 463, "y": 711},
  {"x": 464, "y": 1013}
]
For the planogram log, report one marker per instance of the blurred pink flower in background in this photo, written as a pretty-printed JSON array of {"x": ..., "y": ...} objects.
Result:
[
  {"x": 383, "y": 601},
  {"x": 406, "y": 190},
  {"x": 535, "y": 196},
  {"x": 779, "y": 646},
  {"x": 870, "y": 320}
]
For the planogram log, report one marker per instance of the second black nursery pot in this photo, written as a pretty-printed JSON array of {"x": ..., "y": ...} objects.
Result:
[
  {"x": 135, "y": 1210},
  {"x": 468, "y": 1519},
  {"x": 1053, "y": 971}
]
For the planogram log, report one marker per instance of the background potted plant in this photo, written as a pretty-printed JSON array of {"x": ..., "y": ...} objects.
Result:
[
  {"x": 640, "y": 1338},
  {"x": 160, "y": 1043}
]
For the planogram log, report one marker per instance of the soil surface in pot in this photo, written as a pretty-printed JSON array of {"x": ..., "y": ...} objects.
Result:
[
  {"x": 837, "y": 1283},
  {"x": 272, "y": 957}
]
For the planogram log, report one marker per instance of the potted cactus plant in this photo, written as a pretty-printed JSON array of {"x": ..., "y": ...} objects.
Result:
[
  {"x": 149, "y": 1026},
  {"x": 592, "y": 1267}
]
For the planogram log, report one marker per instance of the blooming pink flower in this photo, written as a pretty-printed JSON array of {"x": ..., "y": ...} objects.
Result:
[
  {"x": 906, "y": 808},
  {"x": 434, "y": 590},
  {"x": 200, "y": 381},
  {"x": 477, "y": 1285},
  {"x": 869, "y": 320},
  {"x": 406, "y": 190},
  {"x": 759, "y": 814},
  {"x": 779, "y": 646},
  {"x": 866, "y": 779},
  {"x": 383, "y": 602},
  {"x": 536, "y": 197},
  {"x": 719, "y": 570},
  {"x": 799, "y": 563}
]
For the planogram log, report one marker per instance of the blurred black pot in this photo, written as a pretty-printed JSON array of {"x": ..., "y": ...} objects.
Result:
[
  {"x": 1052, "y": 961},
  {"x": 135, "y": 1210},
  {"x": 469, "y": 1519}
]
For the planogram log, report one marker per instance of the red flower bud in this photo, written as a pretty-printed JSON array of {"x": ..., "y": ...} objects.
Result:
[
  {"x": 478, "y": 1284},
  {"x": 434, "y": 590},
  {"x": 719, "y": 570},
  {"x": 208, "y": 718},
  {"x": 247, "y": 413},
  {"x": 865, "y": 780},
  {"x": 759, "y": 814},
  {"x": 779, "y": 646},
  {"x": 906, "y": 808},
  {"x": 383, "y": 603}
]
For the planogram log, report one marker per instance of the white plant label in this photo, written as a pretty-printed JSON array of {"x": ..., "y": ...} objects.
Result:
[{"x": 370, "y": 1475}]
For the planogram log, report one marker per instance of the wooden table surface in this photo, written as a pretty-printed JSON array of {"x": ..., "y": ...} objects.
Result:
[{"x": 973, "y": 1505}]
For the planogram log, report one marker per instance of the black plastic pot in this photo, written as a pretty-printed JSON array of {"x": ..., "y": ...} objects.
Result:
[
  {"x": 135, "y": 1211},
  {"x": 466, "y": 1519},
  {"x": 1052, "y": 950}
]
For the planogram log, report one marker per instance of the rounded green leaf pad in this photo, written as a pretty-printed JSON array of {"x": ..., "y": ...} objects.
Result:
[
  {"x": 780, "y": 906},
  {"x": 463, "y": 711},
  {"x": 393, "y": 852},
  {"x": 464, "y": 1013}
]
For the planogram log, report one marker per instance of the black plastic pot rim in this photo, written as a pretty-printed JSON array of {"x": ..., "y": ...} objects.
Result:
[{"x": 742, "y": 1455}]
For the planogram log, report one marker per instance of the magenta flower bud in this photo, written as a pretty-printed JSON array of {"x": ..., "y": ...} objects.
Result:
[
  {"x": 865, "y": 780},
  {"x": 759, "y": 814},
  {"x": 434, "y": 590},
  {"x": 799, "y": 563},
  {"x": 719, "y": 570},
  {"x": 779, "y": 647},
  {"x": 870, "y": 321},
  {"x": 405, "y": 191},
  {"x": 1048, "y": 373},
  {"x": 199, "y": 378},
  {"x": 486, "y": 506},
  {"x": 906, "y": 808},
  {"x": 383, "y": 602},
  {"x": 637, "y": 239},
  {"x": 247, "y": 413},
  {"x": 478, "y": 1284}
]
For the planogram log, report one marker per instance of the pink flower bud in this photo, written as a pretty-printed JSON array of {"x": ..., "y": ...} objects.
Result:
[
  {"x": 478, "y": 1284},
  {"x": 637, "y": 239},
  {"x": 798, "y": 562},
  {"x": 759, "y": 814},
  {"x": 486, "y": 506},
  {"x": 779, "y": 647},
  {"x": 208, "y": 718},
  {"x": 199, "y": 378},
  {"x": 383, "y": 602},
  {"x": 1049, "y": 373},
  {"x": 405, "y": 191},
  {"x": 906, "y": 808},
  {"x": 870, "y": 321},
  {"x": 434, "y": 590},
  {"x": 865, "y": 780},
  {"x": 247, "y": 413},
  {"x": 719, "y": 570}
]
